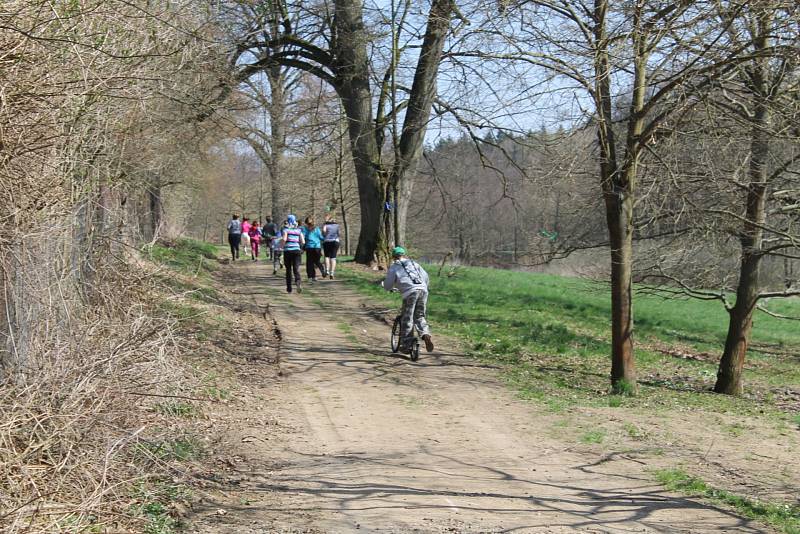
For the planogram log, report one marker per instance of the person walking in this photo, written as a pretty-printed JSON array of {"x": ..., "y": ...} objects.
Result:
[
  {"x": 293, "y": 243},
  {"x": 330, "y": 244},
  {"x": 234, "y": 235},
  {"x": 246, "y": 241},
  {"x": 408, "y": 277},
  {"x": 313, "y": 237},
  {"x": 268, "y": 231},
  {"x": 276, "y": 248},
  {"x": 255, "y": 239},
  {"x": 246, "y": 235}
]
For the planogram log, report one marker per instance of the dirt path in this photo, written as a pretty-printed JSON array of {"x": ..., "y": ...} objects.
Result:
[{"x": 355, "y": 439}]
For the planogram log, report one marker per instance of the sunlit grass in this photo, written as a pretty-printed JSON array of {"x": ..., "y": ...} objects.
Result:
[
  {"x": 186, "y": 255},
  {"x": 551, "y": 336},
  {"x": 785, "y": 517}
]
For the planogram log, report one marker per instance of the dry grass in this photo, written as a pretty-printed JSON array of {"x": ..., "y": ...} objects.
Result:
[
  {"x": 75, "y": 416},
  {"x": 83, "y": 344}
]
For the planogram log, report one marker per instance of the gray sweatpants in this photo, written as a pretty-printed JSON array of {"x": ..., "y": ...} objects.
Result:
[{"x": 414, "y": 311}]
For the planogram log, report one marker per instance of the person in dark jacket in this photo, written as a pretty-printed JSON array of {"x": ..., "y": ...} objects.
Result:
[
  {"x": 234, "y": 235},
  {"x": 268, "y": 231}
]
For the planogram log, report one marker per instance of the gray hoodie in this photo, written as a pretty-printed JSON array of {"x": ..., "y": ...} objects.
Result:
[
  {"x": 407, "y": 276},
  {"x": 234, "y": 226}
]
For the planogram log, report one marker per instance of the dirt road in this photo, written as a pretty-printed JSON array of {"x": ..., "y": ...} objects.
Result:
[{"x": 353, "y": 439}]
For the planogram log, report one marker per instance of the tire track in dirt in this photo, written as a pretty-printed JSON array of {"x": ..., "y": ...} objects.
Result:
[{"x": 380, "y": 444}]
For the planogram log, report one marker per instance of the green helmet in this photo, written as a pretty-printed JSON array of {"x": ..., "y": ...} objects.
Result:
[{"x": 398, "y": 251}]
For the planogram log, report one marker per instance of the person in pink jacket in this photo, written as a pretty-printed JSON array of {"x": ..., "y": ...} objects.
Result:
[
  {"x": 255, "y": 239},
  {"x": 246, "y": 235}
]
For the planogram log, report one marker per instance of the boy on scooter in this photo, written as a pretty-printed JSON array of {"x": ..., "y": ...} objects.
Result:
[{"x": 411, "y": 280}]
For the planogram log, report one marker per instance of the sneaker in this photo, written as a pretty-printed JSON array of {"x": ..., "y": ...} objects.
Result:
[
  {"x": 428, "y": 342},
  {"x": 299, "y": 289},
  {"x": 289, "y": 289},
  {"x": 274, "y": 272},
  {"x": 330, "y": 276}
]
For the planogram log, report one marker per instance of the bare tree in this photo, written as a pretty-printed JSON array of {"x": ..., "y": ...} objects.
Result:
[
  {"x": 768, "y": 81},
  {"x": 639, "y": 66},
  {"x": 335, "y": 47}
]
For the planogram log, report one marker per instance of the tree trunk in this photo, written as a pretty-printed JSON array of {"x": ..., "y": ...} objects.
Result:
[
  {"x": 405, "y": 189},
  {"x": 729, "y": 375},
  {"x": 740, "y": 325},
  {"x": 423, "y": 92},
  {"x": 346, "y": 231},
  {"x": 623, "y": 370},
  {"x": 277, "y": 140},
  {"x": 617, "y": 186},
  {"x": 353, "y": 87},
  {"x": 155, "y": 206},
  {"x": 339, "y": 169}
]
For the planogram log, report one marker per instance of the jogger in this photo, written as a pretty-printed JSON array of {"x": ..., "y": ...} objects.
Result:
[
  {"x": 314, "y": 262},
  {"x": 268, "y": 231},
  {"x": 255, "y": 240},
  {"x": 313, "y": 237},
  {"x": 234, "y": 235},
  {"x": 293, "y": 242},
  {"x": 291, "y": 260},
  {"x": 246, "y": 235},
  {"x": 330, "y": 244},
  {"x": 234, "y": 240},
  {"x": 276, "y": 250}
]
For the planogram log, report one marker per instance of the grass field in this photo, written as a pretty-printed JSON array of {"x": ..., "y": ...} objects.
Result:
[
  {"x": 185, "y": 255},
  {"x": 551, "y": 334}
]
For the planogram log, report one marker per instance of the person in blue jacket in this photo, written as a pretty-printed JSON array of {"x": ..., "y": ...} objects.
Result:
[
  {"x": 293, "y": 242},
  {"x": 313, "y": 237}
]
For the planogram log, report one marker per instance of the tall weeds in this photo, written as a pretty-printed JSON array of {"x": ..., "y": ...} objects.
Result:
[{"x": 94, "y": 101}]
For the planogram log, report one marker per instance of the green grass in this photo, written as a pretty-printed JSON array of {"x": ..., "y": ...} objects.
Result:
[
  {"x": 782, "y": 516},
  {"x": 181, "y": 311},
  {"x": 347, "y": 330},
  {"x": 593, "y": 436},
  {"x": 614, "y": 401},
  {"x": 211, "y": 387},
  {"x": 634, "y": 431},
  {"x": 550, "y": 334},
  {"x": 152, "y": 506},
  {"x": 176, "y": 409},
  {"x": 185, "y": 255},
  {"x": 78, "y": 523},
  {"x": 181, "y": 449}
]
